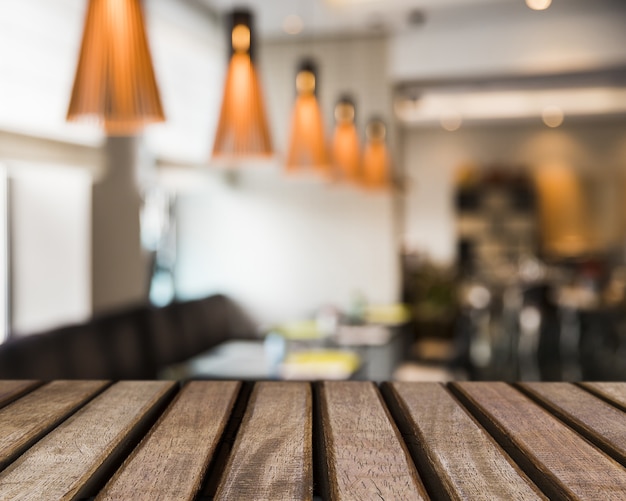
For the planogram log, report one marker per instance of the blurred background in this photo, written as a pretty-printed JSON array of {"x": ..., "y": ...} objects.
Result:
[{"x": 495, "y": 248}]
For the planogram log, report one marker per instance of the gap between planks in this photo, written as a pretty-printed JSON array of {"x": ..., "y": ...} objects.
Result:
[
  {"x": 363, "y": 453},
  {"x": 172, "y": 459},
  {"x": 103, "y": 433},
  {"x": 217, "y": 465},
  {"x": 272, "y": 454},
  {"x": 562, "y": 463},
  {"x": 11, "y": 390},
  {"x": 455, "y": 456},
  {"x": 595, "y": 419},
  {"x": 28, "y": 419}
]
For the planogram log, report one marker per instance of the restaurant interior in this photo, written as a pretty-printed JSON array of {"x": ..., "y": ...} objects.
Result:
[{"x": 409, "y": 190}]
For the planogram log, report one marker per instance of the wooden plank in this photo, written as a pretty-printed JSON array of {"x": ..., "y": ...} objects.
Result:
[
  {"x": 171, "y": 461},
  {"x": 272, "y": 455},
  {"x": 26, "y": 420},
  {"x": 12, "y": 390},
  {"x": 556, "y": 458},
  {"x": 613, "y": 392},
  {"x": 67, "y": 462},
  {"x": 599, "y": 422},
  {"x": 457, "y": 458},
  {"x": 365, "y": 456}
]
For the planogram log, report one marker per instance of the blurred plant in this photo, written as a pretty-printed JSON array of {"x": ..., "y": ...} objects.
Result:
[{"x": 431, "y": 291}]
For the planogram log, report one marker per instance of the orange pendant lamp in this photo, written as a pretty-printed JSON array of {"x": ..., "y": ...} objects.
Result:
[
  {"x": 307, "y": 144},
  {"x": 345, "y": 144},
  {"x": 376, "y": 159},
  {"x": 115, "y": 81},
  {"x": 242, "y": 129}
]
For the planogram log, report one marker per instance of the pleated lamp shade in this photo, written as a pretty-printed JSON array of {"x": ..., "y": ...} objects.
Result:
[
  {"x": 115, "y": 81},
  {"x": 376, "y": 160},
  {"x": 242, "y": 129},
  {"x": 345, "y": 143},
  {"x": 307, "y": 144}
]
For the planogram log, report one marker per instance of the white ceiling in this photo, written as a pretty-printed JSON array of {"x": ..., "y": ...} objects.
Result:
[{"x": 339, "y": 17}]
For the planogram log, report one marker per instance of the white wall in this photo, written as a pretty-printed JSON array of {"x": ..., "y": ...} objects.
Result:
[
  {"x": 594, "y": 148},
  {"x": 4, "y": 254},
  {"x": 510, "y": 39},
  {"x": 187, "y": 46},
  {"x": 50, "y": 246},
  {"x": 35, "y": 150},
  {"x": 284, "y": 246},
  {"x": 39, "y": 44}
]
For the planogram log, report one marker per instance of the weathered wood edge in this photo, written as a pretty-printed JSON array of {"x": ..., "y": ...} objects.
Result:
[
  {"x": 419, "y": 483},
  {"x": 22, "y": 387},
  {"x": 597, "y": 392},
  {"x": 53, "y": 424},
  {"x": 329, "y": 489},
  {"x": 248, "y": 416},
  {"x": 573, "y": 422},
  {"x": 542, "y": 478},
  {"x": 164, "y": 415},
  {"x": 114, "y": 460},
  {"x": 436, "y": 486},
  {"x": 217, "y": 466}
]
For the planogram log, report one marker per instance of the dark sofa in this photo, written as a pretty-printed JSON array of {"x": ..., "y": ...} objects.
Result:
[{"x": 134, "y": 343}]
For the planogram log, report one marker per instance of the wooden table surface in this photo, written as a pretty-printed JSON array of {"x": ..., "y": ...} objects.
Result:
[{"x": 158, "y": 440}]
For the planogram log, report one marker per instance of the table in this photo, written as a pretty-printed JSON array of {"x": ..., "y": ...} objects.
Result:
[
  {"x": 295, "y": 440},
  {"x": 381, "y": 348},
  {"x": 240, "y": 359},
  {"x": 377, "y": 349},
  {"x": 253, "y": 360}
]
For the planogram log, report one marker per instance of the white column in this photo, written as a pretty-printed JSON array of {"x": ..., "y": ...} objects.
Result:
[{"x": 119, "y": 265}]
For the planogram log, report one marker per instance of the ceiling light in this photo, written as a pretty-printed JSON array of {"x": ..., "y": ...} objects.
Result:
[
  {"x": 307, "y": 144},
  {"x": 451, "y": 121},
  {"x": 345, "y": 144},
  {"x": 292, "y": 25},
  {"x": 115, "y": 80},
  {"x": 416, "y": 18},
  {"x": 552, "y": 116},
  {"x": 538, "y": 4},
  {"x": 481, "y": 105},
  {"x": 352, "y": 2},
  {"x": 376, "y": 161},
  {"x": 242, "y": 130}
]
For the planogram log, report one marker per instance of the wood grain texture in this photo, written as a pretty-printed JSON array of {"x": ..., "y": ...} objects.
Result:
[
  {"x": 613, "y": 392},
  {"x": 562, "y": 463},
  {"x": 24, "y": 421},
  {"x": 601, "y": 423},
  {"x": 272, "y": 456},
  {"x": 365, "y": 456},
  {"x": 61, "y": 463},
  {"x": 457, "y": 458},
  {"x": 11, "y": 390},
  {"x": 171, "y": 461}
]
